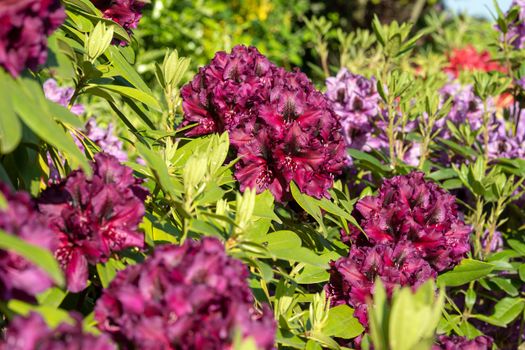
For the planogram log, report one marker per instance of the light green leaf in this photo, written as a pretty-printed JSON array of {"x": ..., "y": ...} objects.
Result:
[
  {"x": 468, "y": 270},
  {"x": 133, "y": 93},
  {"x": 10, "y": 128},
  {"x": 341, "y": 323},
  {"x": 35, "y": 254}
]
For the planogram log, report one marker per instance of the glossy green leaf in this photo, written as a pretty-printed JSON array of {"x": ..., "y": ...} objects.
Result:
[
  {"x": 468, "y": 270},
  {"x": 341, "y": 323},
  {"x": 10, "y": 128}
]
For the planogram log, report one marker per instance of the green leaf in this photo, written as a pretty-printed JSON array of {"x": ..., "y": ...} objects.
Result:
[
  {"x": 52, "y": 315},
  {"x": 133, "y": 93},
  {"x": 468, "y": 270},
  {"x": 35, "y": 254},
  {"x": 505, "y": 285},
  {"x": 341, "y": 323},
  {"x": 286, "y": 245},
  {"x": 160, "y": 170},
  {"x": 521, "y": 271},
  {"x": 505, "y": 311},
  {"x": 32, "y": 107},
  {"x": 517, "y": 246},
  {"x": 369, "y": 160},
  {"x": 64, "y": 115},
  {"x": 126, "y": 70},
  {"x": 10, "y": 128},
  {"x": 309, "y": 204}
]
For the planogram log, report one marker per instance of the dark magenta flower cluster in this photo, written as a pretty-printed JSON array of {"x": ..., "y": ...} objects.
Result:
[
  {"x": 280, "y": 126},
  {"x": 32, "y": 332},
  {"x": 192, "y": 296},
  {"x": 94, "y": 217},
  {"x": 25, "y": 26},
  {"x": 445, "y": 342},
  {"x": 413, "y": 232},
  {"x": 127, "y": 13},
  {"x": 20, "y": 278}
]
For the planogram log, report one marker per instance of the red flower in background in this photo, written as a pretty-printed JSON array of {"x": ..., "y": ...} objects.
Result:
[{"x": 469, "y": 59}]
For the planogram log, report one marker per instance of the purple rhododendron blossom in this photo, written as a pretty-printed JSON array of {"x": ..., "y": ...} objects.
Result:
[
  {"x": 127, "y": 13},
  {"x": 355, "y": 100},
  {"x": 24, "y": 28},
  {"x": 61, "y": 95},
  {"x": 282, "y": 129},
  {"x": 106, "y": 139},
  {"x": 455, "y": 342},
  {"x": 20, "y": 278},
  {"x": 94, "y": 217},
  {"x": 409, "y": 208},
  {"x": 192, "y": 296},
  {"x": 31, "y": 333},
  {"x": 352, "y": 278}
]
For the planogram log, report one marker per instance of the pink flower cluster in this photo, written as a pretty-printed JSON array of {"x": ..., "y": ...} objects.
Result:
[
  {"x": 413, "y": 232},
  {"x": 280, "y": 126},
  {"x": 20, "y": 278},
  {"x": 192, "y": 296},
  {"x": 32, "y": 332},
  {"x": 24, "y": 28},
  {"x": 94, "y": 217},
  {"x": 127, "y": 13}
]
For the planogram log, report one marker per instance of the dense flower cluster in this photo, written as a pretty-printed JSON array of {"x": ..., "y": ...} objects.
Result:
[
  {"x": 282, "y": 129},
  {"x": 31, "y": 332},
  {"x": 18, "y": 277},
  {"x": 413, "y": 231},
  {"x": 94, "y": 217},
  {"x": 183, "y": 297},
  {"x": 355, "y": 100},
  {"x": 352, "y": 278},
  {"x": 516, "y": 30},
  {"x": 127, "y": 13},
  {"x": 445, "y": 342},
  {"x": 25, "y": 26},
  {"x": 469, "y": 59},
  {"x": 507, "y": 140}
]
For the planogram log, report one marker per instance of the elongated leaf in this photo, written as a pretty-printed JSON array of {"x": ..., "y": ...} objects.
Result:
[
  {"x": 158, "y": 166},
  {"x": 126, "y": 70},
  {"x": 35, "y": 254},
  {"x": 286, "y": 245},
  {"x": 468, "y": 270},
  {"x": 52, "y": 315},
  {"x": 64, "y": 115},
  {"x": 31, "y": 106},
  {"x": 505, "y": 311},
  {"x": 133, "y": 93},
  {"x": 10, "y": 128},
  {"x": 341, "y": 323}
]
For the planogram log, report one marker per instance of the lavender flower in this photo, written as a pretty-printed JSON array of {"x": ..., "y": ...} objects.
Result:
[
  {"x": 20, "y": 278},
  {"x": 94, "y": 217},
  {"x": 496, "y": 242},
  {"x": 183, "y": 297},
  {"x": 31, "y": 333},
  {"x": 106, "y": 139},
  {"x": 61, "y": 95},
  {"x": 409, "y": 208},
  {"x": 25, "y": 26},
  {"x": 352, "y": 278},
  {"x": 445, "y": 342},
  {"x": 356, "y": 101},
  {"x": 282, "y": 129},
  {"x": 507, "y": 138}
]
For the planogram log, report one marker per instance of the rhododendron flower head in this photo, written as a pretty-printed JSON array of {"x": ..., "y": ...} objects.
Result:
[
  {"x": 24, "y": 28},
  {"x": 192, "y": 296},
  {"x": 20, "y": 278},
  {"x": 409, "y": 208},
  {"x": 31, "y": 332},
  {"x": 94, "y": 217},
  {"x": 127, "y": 13},
  {"x": 281, "y": 128}
]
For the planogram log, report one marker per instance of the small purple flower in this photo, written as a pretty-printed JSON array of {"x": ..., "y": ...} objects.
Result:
[
  {"x": 61, "y": 95},
  {"x": 496, "y": 242},
  {"x": 24, "y": 28},
  {"x": 352, "y": 278},
  {"x": 106, "y": 139},
  {"x": 507, "y": 138},
  {"x": 31, "y": 333},
  {"x": 455, "y": 342},
  {"x": 94, "y": 217},
  {"x": 20, "y": 278},
  {"x": 409, "y": 208},
  {"x": 516, "y": 30},
  {"x": 192, "y": 296},
  {"x": 281, "y": 128},
  {"x": 356, "y": 101}
]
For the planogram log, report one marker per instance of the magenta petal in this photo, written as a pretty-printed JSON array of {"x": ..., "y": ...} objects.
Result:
[{"x": 77, "y": 272}]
